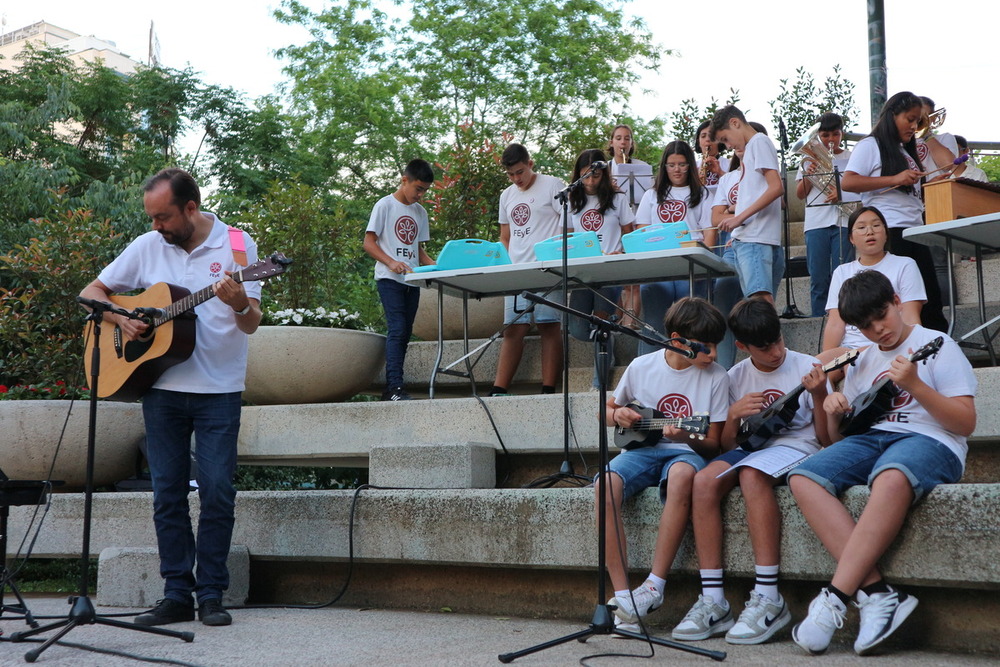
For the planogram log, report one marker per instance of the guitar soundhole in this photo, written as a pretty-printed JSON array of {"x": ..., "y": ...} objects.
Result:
[{"x": 134, "y": 349}]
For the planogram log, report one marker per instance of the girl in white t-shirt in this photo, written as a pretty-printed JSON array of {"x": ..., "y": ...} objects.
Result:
[
  {"x": 621, "y": 147},
  {"x": 597, "y": 206},
  {"x": 867, "y": 231},
  {"x": 677, "y": 195},
  {"x": 888, "y": 158},
  {"x": 711, "y": 165}
]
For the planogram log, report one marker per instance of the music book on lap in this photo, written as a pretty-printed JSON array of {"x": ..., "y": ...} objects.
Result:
[{"x": 775, "y": 460}]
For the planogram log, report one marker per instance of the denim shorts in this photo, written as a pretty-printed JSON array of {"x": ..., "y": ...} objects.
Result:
[
  {"x": 648, "y": 466},
  {"x": 759, "y": 266},
  {"x": 517, "y": 304},
  {"x": 859, "y": 459}
]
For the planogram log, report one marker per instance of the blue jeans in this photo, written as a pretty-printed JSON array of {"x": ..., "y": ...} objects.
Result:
[
  {"x": 171, "y": 417},
  {"x": 399, "y": 301},
  {"x": 826, "y": 249},
  {"x": 656, "y": 301},
  {"x": 586, "y": 301},
  {"x": 648, "y": 466},
  {"x": 727, "y": 294},
  {"x": 861, "y": 458},
  {"x": 759, "y": 266}
]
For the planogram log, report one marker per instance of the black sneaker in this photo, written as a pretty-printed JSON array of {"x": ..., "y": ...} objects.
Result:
[
  {"x": 396, "y": 394},
  {"x": 165, "y": 612},
  {"x": 211, "y": 612}
]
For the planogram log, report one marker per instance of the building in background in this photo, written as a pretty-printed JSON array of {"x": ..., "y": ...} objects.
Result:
[{"x": 79, "y": 48}]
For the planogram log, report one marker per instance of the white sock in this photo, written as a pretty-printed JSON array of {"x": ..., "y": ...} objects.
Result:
[
  {"x": 767, "y": 581},
  {"x": 659, "y": 582},
  {"x": 711, "y": 586},
  {"x": 623, "y": 595}
]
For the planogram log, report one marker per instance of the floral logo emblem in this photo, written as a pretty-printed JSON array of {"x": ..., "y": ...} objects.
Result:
[
  {"x": 521, "y": 214},
  {"x": 215, "y": 268},
  {"x": 675, "y": 405},
  {"x": 771, "y": 395},
  {"x": 592, "y": 220},
  {"x": 406, "y": 230},
  {"x": 672, "y": 210}
]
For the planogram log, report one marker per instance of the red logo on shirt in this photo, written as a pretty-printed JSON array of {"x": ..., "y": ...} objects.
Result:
[
  {"x": 675, "y": 405},
  {"x": 922, "y": 152},
  {"x": 771, "y": 395},
  {"x": 520, "y": 214},
  {"x": 215, "y": 268},
  {"x": 406, "y": 230},
  {"x": 734, "y": 193},
  {"x": 711, "y": 178},
  {"x": 901, "y": 399},
  {"x": 592, "y": 220},
  {"x": 672, "y": 210}
]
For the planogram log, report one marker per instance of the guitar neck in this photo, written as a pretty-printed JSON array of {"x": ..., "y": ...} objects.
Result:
[
  {"x": 190, "y": 301},
  {"x": 656, "y": 422}
]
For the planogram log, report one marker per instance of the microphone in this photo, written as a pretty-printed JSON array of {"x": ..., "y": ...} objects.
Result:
[
  {"x": 155, "y": 313},
  {"x": 783, "y": 134},
  {"x": 600, "y": 164},
  {"x": 696, "y": 347},
  {"x": 96, "y": 306}
]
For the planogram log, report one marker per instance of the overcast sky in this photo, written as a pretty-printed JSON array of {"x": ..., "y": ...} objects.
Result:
[{"x": 721, "y": 44}]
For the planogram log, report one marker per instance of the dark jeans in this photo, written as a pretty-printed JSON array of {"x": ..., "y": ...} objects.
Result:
[
  {"x": 826, "y": 249},
  {"x": 400, "y": 303},
  {"x": 171, "y": 417},
  {"x": 932, "y": 314}
]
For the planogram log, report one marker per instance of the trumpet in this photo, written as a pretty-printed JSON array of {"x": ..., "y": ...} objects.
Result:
[
  {"x": 930, "y": 122},
  {"x": 822, "y": 179}
]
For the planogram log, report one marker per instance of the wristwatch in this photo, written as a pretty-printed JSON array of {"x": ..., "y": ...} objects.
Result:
[{"x": 244, "y": 311}]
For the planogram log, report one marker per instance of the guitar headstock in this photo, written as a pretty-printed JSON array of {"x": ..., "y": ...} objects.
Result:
[
  {"x": 696, "y": 423},
  {"x": 928, "y": 350},
  {"x": 846, "y": 358},
  {"x": 268, "y": 267}
]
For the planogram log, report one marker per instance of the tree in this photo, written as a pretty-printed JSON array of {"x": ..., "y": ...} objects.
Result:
[
  {"x": 379, "y": 92},
  {"x": 684, "y": 122},
  {"x": 802, "y": 101}
]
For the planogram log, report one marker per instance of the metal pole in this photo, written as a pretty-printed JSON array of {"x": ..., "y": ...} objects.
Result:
[{"x": 877, "y": 78}]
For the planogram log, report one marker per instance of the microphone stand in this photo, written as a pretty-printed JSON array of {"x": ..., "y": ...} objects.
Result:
[
  {"x": 791, "y": 310},
  {"x": 82, "y": 611},
  {"x": 566, "y": 471},
  {"x": 602, "y": 622}
]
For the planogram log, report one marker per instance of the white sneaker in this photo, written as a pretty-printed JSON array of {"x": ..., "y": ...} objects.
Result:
[
  {"x": 627, "y": 627},
  {"x": 826, "y": 616},
  {"x": 646, "y": 598},
  {"x": 705, "y": 619},
  {"x": 760, "y": 620},
  {"x": 881, "y": 614}
]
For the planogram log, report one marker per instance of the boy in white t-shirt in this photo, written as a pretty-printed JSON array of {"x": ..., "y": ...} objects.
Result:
[
  {"x": 394, "y": 238},
  {"x": 677, "y": 386},
  {"x": 754, "y": 384},
  {"x": 756, "y": 226},
  {"x": 529, "y": 213},
  {"x": 827, "y": 243},
  {"x": 918, "y": 443}
]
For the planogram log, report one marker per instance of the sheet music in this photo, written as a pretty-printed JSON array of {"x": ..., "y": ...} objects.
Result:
[
  {"x": 775, "y": 461},
  {"x": 633, "y": 180}
]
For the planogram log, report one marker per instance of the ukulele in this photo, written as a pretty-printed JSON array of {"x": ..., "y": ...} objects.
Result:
[
  {"x": 130, "y": 367},
  {"x": 869, "y": 407},
  {"x": 648, "y": 429},
  {"x": 757, "y": 429}
]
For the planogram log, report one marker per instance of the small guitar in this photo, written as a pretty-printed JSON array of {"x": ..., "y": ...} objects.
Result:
[
  {"x": 868, "y": 407},
  {"x": 130, "y": 367},
  {"x": 648, "y": 430},
  {"x": 757, "y": 429}
]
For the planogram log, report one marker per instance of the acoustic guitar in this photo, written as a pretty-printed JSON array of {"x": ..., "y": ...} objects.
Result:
[
  {"x": 757, "y": 429},
  {"x": 648, "y": 430},
  {"x": 130, "y": 367},
  {"x": 869, "y": 407}
]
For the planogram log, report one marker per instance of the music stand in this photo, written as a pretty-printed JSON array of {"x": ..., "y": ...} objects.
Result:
[
  {"x": 16, "y": 492},
  {"x": 602, "y": 622},
  {"x": 82, "y": 611},
  {"x": 791, "y": 310}
]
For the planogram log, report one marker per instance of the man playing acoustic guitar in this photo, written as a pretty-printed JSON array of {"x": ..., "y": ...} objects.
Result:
[
  {"x": 201, "y": 395},
  {"x": 918, "y": 443}
]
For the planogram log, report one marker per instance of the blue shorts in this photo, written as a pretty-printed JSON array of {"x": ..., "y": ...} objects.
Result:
[
  {"x": 648, "y": 466},
  {"x": 758, "y": 266},
  {"x": 861, "y": 458},
  {"x": 517, "y": 304}
]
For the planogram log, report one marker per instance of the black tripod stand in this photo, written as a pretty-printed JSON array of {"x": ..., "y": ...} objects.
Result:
[
  {"x": 82, "y": 611},
  {"x": 566, "y": 472},
  {"x": 602, "y": 622},
  {"x": 16, "y": 492}
]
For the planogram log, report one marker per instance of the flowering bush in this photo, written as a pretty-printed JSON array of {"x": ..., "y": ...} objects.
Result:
[
  {"x": 20, "y": 392},
  {"x": 317, "y": 317}
]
